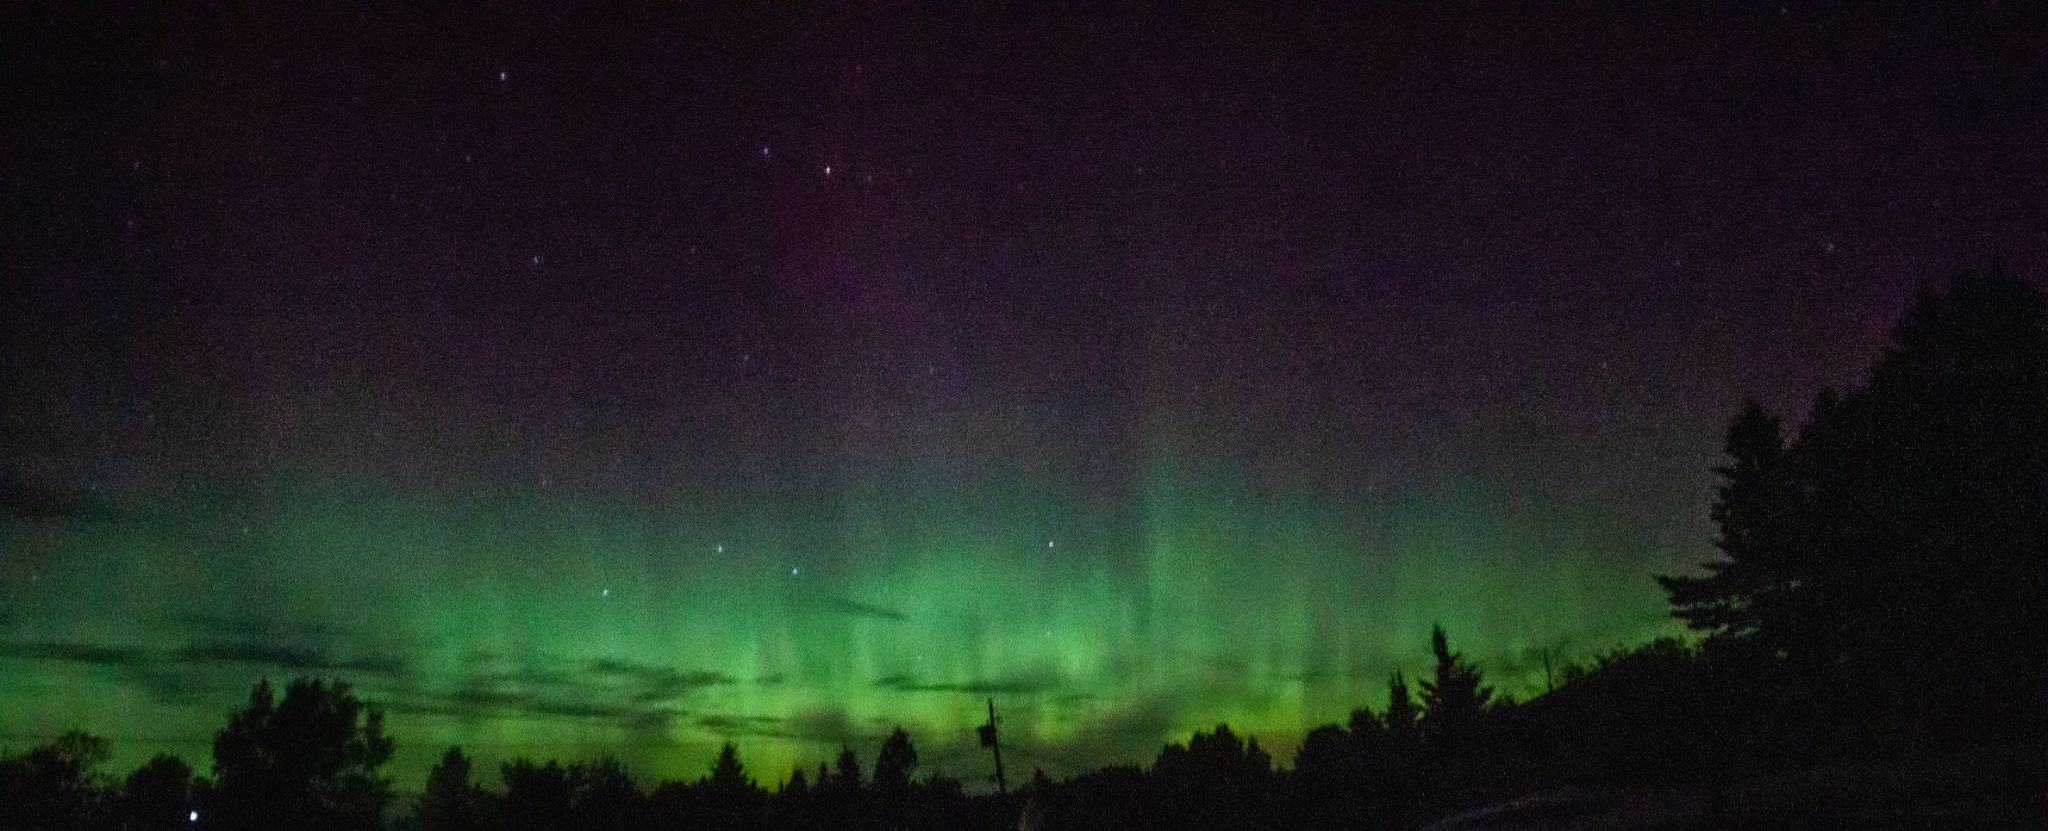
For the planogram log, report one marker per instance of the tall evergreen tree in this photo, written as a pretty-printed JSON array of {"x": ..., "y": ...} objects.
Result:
[
  {"x": 451, "y": 801},
  {"x": 1736, "y": 595},
  {"x": 847, "y": 774},
  {"x": 1897, "y": 548},
  {"x": 1455, "y": 706},
  {"x": 895, "y": 762},
  {"x": 1402, "y": 716},
  {"x": 1453, "y": 697},
  {"x": 727, "y": 773}
]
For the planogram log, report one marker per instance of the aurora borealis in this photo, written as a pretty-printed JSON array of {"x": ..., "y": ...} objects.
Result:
[{"x": 576, "y": 384}]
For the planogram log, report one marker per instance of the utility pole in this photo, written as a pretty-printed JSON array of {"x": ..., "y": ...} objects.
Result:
[{"x": 988, "y": 740}]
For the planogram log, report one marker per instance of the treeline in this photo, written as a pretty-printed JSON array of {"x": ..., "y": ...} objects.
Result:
[
  {"x": 1662, "y": 715},
  {"x": 312, "y": 759},
  {"x": 1873, "y": 652}
]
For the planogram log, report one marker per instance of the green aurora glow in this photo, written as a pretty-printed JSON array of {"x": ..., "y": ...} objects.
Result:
[{"x": 526, "y": 623}]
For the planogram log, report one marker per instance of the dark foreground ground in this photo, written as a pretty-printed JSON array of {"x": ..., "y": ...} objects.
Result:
[{"x": 1982, "y": 789}]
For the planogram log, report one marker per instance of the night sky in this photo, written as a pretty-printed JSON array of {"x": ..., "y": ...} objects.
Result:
[{"x": 575, "y": 381}]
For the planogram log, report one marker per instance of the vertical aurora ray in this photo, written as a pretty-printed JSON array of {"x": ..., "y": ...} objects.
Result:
[{"x": 529, "y": 623}]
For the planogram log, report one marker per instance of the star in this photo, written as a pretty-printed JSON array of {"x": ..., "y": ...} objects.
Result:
[
  {"x": 604, "y": 592},
  {"x": 721, "y": 548},
  {"x": 828, "y": 170},
  {"x": 503, "y": 75},
  {"x": 795, "y": 570}
]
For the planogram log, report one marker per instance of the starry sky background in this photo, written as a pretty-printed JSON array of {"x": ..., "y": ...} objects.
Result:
[{"x": 575, "y": 381}]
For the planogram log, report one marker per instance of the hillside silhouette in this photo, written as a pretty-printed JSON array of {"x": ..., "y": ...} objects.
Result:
[{"x": 1872, "y": 651}]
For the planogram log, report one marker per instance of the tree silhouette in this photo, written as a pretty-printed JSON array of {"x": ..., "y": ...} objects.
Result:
[
  {"x": 540, "y": 797},
  {"x": 727, "y": 774},
  {"x": 726, "y": 797},
  {"x": 308, "y": 761},
  {"x": 1455, "y": 703},
  {"x": 1325, "y": 753},
  {"x": 791, "y": 806},
  {"x": 895, "y": 762},
  {"x": 1216, "y": 780},
  {"x": 157, "y": 796},
  {"x": 56, "y": 786},
  {"x": 846, "y": 774},
  {"x": 607, "y": 798},
  {"x": 1326, "y": 785},
  {"x": 1363, "y": 723},
  {"x": 452, "y": 801},
  {"x": 1753, "y": 579},
  {"x": 1453, "y": 697},
  {"x": 1392, "y": 760},
  {"x": 1402, "y": 719},
  {"x": 1897, "y": 549}
]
